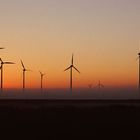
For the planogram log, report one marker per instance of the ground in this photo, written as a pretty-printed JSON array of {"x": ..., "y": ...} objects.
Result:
[{"x": 70, "y": 119}]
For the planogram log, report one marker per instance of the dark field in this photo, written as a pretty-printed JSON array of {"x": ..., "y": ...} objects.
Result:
[{"x": 70, "y": 119}]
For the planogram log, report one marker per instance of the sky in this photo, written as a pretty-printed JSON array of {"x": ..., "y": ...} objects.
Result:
[{"x": 104, "y": 36}]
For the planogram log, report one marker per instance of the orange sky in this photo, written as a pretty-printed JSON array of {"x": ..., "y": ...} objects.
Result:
[{"x": 103, "y": 35}]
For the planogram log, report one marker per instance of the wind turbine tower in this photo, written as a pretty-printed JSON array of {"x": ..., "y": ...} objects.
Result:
[
  {"x": 139, "y": 68},
  {"x": 24, "y": 72},
  {"x": 41, "y": 75}
]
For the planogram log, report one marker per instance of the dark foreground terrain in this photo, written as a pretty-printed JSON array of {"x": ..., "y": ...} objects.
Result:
[{"x": 70, "y": 119}]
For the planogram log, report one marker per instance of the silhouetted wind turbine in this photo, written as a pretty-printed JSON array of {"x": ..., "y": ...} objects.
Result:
[
  {"x": 71, "y": 66},
  {"x": 139, "y": 68},
  {"x": 42, "y": 75},
  {"x": 1, "y": 68},
  {"x": 24, "y": 71},
  {"x": 100, "y": 85}
]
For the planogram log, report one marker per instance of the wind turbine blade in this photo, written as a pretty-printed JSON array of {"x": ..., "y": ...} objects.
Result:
[
  {"x": 2, "y": 48},
  {"x": 43, "y": 75},
  {"x": 22, "y": 64},
  {"x": 40, "y": 72},
  {"x": 72, "y": 60},
  {"x": 139, "y": 45},
  {"x": 67, "y": 68},
  {"x": 9, "y": 63},
  {"x": 76, "y": 69}
]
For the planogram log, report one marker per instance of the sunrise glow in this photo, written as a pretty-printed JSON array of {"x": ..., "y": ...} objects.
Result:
[{"x": 103, "y": 35}]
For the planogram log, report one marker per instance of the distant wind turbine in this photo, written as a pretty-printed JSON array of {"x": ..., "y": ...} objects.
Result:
[
  {"x": 24, "y": 71},
  {"x": 42, "y": 75},
  {"x": 1, "y": 68},
  {"x": 100, "y": 85},
  {"x": 71, "y": 66},
  {"x": 90, "y": 85}
]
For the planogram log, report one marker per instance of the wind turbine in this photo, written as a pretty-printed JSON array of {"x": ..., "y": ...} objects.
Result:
[
  {"x": 1, "y": 68},
  {"x": 90, "y": 85},
  {"x": 71, "y": 67},
  {"x": 100, "y": 85},
  {"x": 139, "y": 68},
  {"x": 24, "y": 71},
  {"x": 2, "y": 48},
  {"x": 42, "y": 75}
]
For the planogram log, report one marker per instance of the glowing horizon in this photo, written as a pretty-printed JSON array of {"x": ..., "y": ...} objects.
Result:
[{"x": 103, "y": 35}]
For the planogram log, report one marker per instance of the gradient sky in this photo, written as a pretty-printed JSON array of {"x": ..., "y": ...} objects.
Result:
[{"x": 103, "y": 35}]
